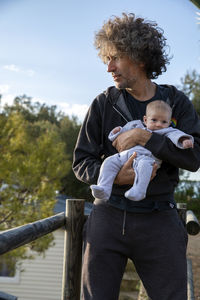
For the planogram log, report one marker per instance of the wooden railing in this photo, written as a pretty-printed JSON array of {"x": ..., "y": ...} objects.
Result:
[{"x": 72, "y": 221}]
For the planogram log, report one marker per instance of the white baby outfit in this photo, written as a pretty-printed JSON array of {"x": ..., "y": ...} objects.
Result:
[{"x": 142, "y": 164}]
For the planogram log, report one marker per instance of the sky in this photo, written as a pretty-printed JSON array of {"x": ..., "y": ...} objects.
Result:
[{"x": 47, "y": 50}]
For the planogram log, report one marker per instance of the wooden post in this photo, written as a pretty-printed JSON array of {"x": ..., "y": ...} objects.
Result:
[
  {"x": 182, "y": 208},
  {"x": 73, "y": 249}
]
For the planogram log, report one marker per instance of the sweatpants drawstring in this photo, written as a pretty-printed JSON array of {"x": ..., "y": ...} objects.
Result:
[{"x": 124, "y": 223}]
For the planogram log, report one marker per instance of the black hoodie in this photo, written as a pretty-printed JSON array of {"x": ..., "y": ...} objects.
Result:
[{"x": 109, "y": 110}]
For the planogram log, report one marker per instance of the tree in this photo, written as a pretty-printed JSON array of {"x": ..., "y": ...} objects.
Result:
[
  {"x": 187, "y": 190},
  {"x": 31, "y": 169},
  {"x": 69, "y": 129},
  {"x": 37, "y": 143},
  {"x": 34, "y": 111},
  {"x": 191, "y": 87}
]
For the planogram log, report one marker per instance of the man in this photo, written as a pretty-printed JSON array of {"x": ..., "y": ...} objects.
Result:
[{"x": 149, "y": 232}]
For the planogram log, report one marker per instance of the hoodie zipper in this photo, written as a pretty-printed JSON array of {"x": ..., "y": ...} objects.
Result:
[
  {"x": 120, "y": 113},
  {"x": 124, "y": 216}
]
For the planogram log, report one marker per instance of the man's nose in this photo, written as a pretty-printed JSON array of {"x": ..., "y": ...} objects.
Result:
[{"x": 111, "y": 67}]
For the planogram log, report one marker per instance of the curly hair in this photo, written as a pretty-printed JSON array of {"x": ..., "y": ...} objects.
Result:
[{"x": 142, "y": 41}]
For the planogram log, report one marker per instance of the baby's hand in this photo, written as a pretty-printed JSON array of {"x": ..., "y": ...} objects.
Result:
[
  {"x": 116, "y": 129},
  {"x": 187, "y": 144}
]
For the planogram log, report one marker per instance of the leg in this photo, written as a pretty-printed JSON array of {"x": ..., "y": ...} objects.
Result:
[
  {"x": 104, "y": 262},
  {"x": 143, "y": 167},
  {"x": 108, "y": 172},
  {"x": 160, "y": 257}
]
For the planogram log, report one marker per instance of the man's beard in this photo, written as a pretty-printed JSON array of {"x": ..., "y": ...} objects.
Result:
[{"x": 126, "y": 84}]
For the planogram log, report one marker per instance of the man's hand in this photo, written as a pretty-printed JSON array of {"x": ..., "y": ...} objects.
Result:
[
  {"x": 131, "y": 138},
  {"x": 127, "y": 175}
]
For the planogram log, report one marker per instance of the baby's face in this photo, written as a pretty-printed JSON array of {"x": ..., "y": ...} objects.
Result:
[{"x": 157, "y": 120}]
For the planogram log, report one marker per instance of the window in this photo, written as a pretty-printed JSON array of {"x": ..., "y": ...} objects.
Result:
[{"x": 8, "y": 270}]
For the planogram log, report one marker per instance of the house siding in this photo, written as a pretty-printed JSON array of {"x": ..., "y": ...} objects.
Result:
[{"x": 42, "y": 277}]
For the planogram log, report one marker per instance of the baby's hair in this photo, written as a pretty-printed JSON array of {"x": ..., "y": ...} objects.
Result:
[{"x": 159, "y": 105}]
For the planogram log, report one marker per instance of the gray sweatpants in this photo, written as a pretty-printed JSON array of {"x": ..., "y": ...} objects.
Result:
[{"x": 156, "y": 243}]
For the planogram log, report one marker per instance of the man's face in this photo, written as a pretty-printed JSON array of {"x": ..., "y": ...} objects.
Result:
[{"x": 125, "y": 72}]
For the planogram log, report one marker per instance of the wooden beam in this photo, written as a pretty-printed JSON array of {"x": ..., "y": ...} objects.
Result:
[
  {"x": 5, "y": 296},
  {"x": 19, "y": 236}
]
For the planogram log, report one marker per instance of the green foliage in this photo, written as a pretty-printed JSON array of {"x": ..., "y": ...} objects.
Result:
[
  {"x": 189, "y": 191},
  {"x": 36, "y": 155},
  {"x": 69, "y": 130},
  {"x": 191, "y": 87},
  {"x": 33, "y": 111},
  {"x": 31, "y": 166}
]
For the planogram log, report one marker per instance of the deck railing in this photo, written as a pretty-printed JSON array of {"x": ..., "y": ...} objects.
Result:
[{"x": 72, "y": 221}]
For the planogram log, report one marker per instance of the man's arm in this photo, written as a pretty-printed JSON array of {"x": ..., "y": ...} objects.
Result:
[
  {"x": 126, "y": 175},
  {"x": 87, "y": 153},
  {"x": 131, "y": 138},
  {"x": 87, "y": 156},
  {"x": 162, "y": 147}
]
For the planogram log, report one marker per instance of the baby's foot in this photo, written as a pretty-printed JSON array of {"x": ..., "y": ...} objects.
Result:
[
  {"x": 134, "y": 196},
  {"x": 98, "y": 192}
]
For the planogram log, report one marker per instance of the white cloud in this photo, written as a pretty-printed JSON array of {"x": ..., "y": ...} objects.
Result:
[
  {"x": 14, "y": 68},
  {"x": 7, "y": 99},
  {"x": 198, "y": 17},
  {"x": 78, "y": 110},
  {"x": 194, "y": 175},
  {"x": 4, "y": 88},
  {"x": 30, "y": 73}
]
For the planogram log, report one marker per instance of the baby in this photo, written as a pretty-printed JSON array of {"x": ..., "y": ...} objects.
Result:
[{"x": 158, "y": 119}]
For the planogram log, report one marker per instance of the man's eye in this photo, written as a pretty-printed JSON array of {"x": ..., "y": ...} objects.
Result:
[
  {"x": 153, "y": 120},
  {"x": 115, "y": 57},
  {"x": 111, "y": 58},
  {"x": 107, "y": 59}
]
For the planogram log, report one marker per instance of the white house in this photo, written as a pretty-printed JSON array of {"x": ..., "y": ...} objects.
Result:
[{"x": 41, "y": 278}]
